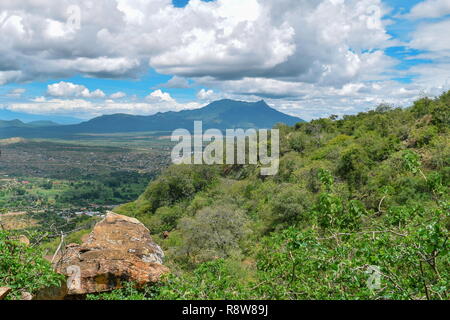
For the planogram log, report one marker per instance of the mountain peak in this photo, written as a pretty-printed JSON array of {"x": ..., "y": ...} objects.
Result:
[
  {"x": 223, "y": 114},
  {"x": 229, "y": 104},
  {"x": 262, "y": 103}
]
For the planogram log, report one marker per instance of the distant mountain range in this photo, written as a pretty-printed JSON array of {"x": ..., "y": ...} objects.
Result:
[
  {"x": 33, "y": 124},
  {"x": 26, "y": 117},
  {"x": 223, "y": 114}
]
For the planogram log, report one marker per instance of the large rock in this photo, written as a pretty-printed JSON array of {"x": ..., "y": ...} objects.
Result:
[
  {"x": 119, "y": 249},
  {"x": 4, "y": 292}
]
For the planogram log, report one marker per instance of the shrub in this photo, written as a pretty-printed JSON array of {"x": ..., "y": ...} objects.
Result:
[
  {"x": 23, "y": 268},
  {"x": 214, "y": 232}
]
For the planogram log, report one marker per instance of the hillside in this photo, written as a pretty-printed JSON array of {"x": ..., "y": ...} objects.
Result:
[
  {"x": 8, "y": 115},
  {"x": 33, "y": 124},
  {"x": 223, "y": 114},
  {"x": 359, "y": 210},
  {"x": 356, "y": 200},
  {"x": 11, "y": 123}
]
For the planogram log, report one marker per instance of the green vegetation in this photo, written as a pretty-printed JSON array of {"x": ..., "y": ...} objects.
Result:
[
  {"x": 367, "y": 191},
  {"x": 23, "y": 268},
  {"x": 41, "y": 194},
  {"x": 57, "y": 188},
  {"x": 364, "y": 193}
]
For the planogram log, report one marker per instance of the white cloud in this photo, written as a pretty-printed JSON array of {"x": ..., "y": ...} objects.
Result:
[
  {"x": 9, "y": 76},
  {"x": 430, "y": 9},
  {"x": 307, "y": 57},
  {"x": 39, "y": 99},
  {"x": 205, "y": 94},
  {"x": 177, "y": 82},
  {"x": 94, "y": 94},
  {"x": 309, "y": 101},
  {"x": 223, "y": 39},
  {"x": 68, "y": 89},
  {"x": 433, "y": 37},
  {"x": 158, "y": 95},
  {"x": 118, "y": 95},
  {"x": 16, "y": 93},
  {"x": 85, "y": 109}
]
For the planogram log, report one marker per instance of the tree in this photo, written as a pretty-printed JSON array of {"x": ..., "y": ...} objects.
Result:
[{"x": 214, "y": 232}]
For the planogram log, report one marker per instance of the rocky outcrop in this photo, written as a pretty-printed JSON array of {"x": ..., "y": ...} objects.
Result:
[
  {"x": 119, "y": 249},
  {"x": 26, "y": 296},
  {"x": 4, "y": 291}
]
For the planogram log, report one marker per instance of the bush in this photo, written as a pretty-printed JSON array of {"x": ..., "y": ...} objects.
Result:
[
  {"x": 23, "y": 268},
  {"x": 290, "y": 207},
  {"x": 214, "y": 232},
  {"x": 176, "y": 184}
]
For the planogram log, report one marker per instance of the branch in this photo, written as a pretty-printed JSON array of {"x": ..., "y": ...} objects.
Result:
[
  {"x": 59, "y": 247},
  {"x": 364, "y": 232}
]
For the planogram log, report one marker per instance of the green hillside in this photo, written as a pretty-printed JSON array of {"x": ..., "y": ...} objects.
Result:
[
  {"x": 19, "y": 124},
  {"x": 12, "y": 123},
  {"x": 368, "y": 191}
]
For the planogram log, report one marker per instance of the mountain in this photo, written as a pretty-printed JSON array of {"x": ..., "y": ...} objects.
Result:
[
  {"x": 43, "y": 123},
  {"x": 12, "y": 123},
  {"x": 26, "y": 117},
  {"x": 223, "y": 114},
  {"x": 16, "y": 123}
]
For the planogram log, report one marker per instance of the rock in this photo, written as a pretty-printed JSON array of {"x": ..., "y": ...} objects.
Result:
[
  {"x": 52, "y": 293},
  {"x": 26, "y": 296},
  {"x": 4, "y": 291},
  {"x": 119, "y": 249},
  {"x": 24, "y": 240}
]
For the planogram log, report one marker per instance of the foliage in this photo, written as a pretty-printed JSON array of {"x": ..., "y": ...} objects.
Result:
[
  {"x": 23, "y": 267},
  {"x": 215, "y": 280},
  {"x": 363, "y": 193},
  {"x": 357, "y": 199},
  {"x": 214, "y": 232}
]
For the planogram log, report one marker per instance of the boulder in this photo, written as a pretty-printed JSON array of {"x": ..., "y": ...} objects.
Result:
[
  {"x": 4, "y": 291},
  {"x": 26, "y": 296},
  {"x": 118, "y": 250},
  {"x": 24, "y": 240}
]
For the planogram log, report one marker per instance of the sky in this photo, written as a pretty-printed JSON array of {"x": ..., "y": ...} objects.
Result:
[{"x": 307, "y": 58}]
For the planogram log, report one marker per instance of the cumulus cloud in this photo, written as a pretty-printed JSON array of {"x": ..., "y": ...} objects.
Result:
[
  {"x": 430, "y": 9},
  {"x": 39, "y": 99},
  {"x": 177, "y": 83},
  {"x": 223, "y": 39},
  {"x": 302, "y": 55},
  {"x": 16, "y": 93},
  {"x": 9, "y": 76},
  {"x": 85, "y": 109},
  {"x": 118, "y": 95},
  {"x": 158, "y": 95},
  {"x": 433, "y": 37},
  {"x": 68, "y": 89},
  {"x": 204, "y": 94},
  {"x": 433, "y": 40},
  {"x": 350, "y": 99}
]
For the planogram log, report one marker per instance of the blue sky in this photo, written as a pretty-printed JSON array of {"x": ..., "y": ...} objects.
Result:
[{"x": 309, "y": 60}]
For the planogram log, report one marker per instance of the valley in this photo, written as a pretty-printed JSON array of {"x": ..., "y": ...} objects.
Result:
[
  {"x": 224, "y": 155},
  {"x": 56, "y": 185},
  {"x": 365, "y": 191}
]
